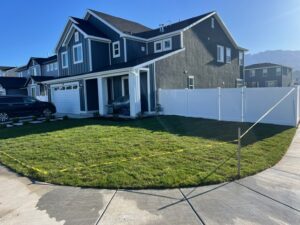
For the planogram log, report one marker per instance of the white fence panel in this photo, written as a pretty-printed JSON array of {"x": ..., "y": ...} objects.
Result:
[
  {"x": 231, "y": 107},
  {"x": 203, "y": 103},
  {"x": 234, "y": 104},
  {"x": 174, "y": 102},
  {"x": 259, "y": 100}
]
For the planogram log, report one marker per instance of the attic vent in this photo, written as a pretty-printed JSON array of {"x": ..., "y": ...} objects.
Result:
[{"x": 162, "y": 28}]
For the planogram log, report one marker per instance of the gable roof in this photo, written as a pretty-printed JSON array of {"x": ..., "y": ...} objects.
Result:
[
  {"x": 88, "y": 28},
  {"x": 12, "y": 82},
  {"x": 124, "y": 25},
  {"x": 172, "y": 27},
  {"x": 5, "y": 68},
  {"x": 41, "y": 61},
  {"x": 264, "y": 65},
  {"x": 38, "y": 79},
  {"x": 21, "y": 68}
]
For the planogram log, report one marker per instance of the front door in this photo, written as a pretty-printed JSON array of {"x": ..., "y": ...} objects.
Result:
[
  {"x": 144, "y": 91},
  {"x": 33, "y": 92}
]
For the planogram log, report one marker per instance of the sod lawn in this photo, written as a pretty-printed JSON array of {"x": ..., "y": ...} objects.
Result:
[{"x": 158, "y": 152}]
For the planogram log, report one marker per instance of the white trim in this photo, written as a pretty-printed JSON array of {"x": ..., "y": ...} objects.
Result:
[
  {"x": 164, "y": 46},
  {"x": 114, "y": 49},
  {"x": 79, "y": 60},
  {"x": 90, "y": 55},
  {"x": 267, "y": 67},
  {"x": 191, "y": 86},
  {"x": 159, "y": 58},
  {"x": 62, "y": 60},
  {"x": 122, "y": 84},
  {"x": 221, "y": 57},
  {"x": 59, "y": 43},
  {"x": 228, "y": 58},
  {"x": 85, "y": 96},
  {"x": 161, "y": 45},
  {"x": 125, "y": 49},
  {"x": 181, "y": 40}
]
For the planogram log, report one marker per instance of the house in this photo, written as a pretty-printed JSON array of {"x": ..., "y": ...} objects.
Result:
[
  {"x": 102, "y": 58},
  {"x": 8, "y": 71},
  {"x": 36, "y": 71},
  {"x": 268, "y": 75},
  {"x": 12, "y": 86}
]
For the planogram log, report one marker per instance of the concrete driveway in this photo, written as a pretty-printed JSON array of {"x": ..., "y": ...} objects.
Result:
[{"x": 270, "y": 197}]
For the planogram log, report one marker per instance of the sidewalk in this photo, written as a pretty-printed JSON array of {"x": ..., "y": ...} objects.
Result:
[{"x": 270, "y": 197}]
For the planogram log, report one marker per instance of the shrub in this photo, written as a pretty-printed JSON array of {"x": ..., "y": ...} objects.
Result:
[
  {"x": 65, "y": 118},
  {"x": 15, "y": 120}
]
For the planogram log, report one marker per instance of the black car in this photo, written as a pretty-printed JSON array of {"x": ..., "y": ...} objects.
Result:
[{"x": 21, "y": 106}]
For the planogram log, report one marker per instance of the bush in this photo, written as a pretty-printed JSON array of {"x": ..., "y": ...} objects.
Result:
[
  {"x": 65, "y": 118},
  {"x": 2, "y": 126},
  {"x": 25, "y": 122},
  {"x": 15, "y": 120},
  {"x": 34, "y": 118}
]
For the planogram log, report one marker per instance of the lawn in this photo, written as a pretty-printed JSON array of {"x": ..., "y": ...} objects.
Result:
[{"x": 156, "y": 152}]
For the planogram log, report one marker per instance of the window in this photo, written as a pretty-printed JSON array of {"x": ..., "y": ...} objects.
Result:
[
  {"x": 51, "y": 67},
  {"x": 64, "y": 60},
  {"x": 34, "y": 71},
  {"x": 158, "y": 46},
  {"x": 213, "y": 23},
  {"x": 76, "y": 36},
  {"x": 271, "y": 83},
  {"x": 241, "y": 58},
  {"x": 278, "y": 71},
  {"x": 163, "y": 45},
  {"x": 48, "y": 68},
  {"x": 265, "y": 72},
  {"x": 55, "y": 66},
  {"x": 191, "y": 80},
  {"x": 143, "y": 49},
  {"x": 116, "y": 49},
  {"x": 252, "y": 73},
  {"x": 77, "y": 54},
  {"x": 167, "y": 44},
  {"x": 228, "y": 55},
  {"x": 220, "y": 53}
]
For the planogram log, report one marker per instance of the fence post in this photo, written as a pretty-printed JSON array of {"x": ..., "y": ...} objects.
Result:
[
  {"x": 242, "y": 104},
  {"x": 239, "y": 154},
  {"x": 219, "y": 103}
]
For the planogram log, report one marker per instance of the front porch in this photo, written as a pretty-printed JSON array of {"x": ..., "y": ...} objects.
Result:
[{"x": 135, "y": 88}]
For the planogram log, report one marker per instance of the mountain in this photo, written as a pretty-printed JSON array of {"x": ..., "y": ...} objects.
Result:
[{"x": 287, "y": 58}]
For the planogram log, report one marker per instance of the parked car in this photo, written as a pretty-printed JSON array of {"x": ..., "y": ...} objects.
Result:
[
  {"x": 121, "y": 105},
  {"x": 19, "y": 106}
]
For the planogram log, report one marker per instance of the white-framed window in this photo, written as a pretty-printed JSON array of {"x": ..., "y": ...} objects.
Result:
[
  {"x": 158, "y": 46},
  {"x": 76, "y": 36},
  {"x": 116, "y": 49},
  {"x": 64, "y": 60},
  {"x": 228, "y": 55},
  {"x": 55, "y": 66},
  {"x": 191, "y": 82},
  {"x": 220, "y": 53},
  {"x": 213, "y": 23},
  {"x": 252, "y": 73},
  {"x": 77, "y": 54},
  {"x": 51, "y": 67},
  {"x": 48, "y": 68},
  {"x": 167, "y": 44},
  {"x": 278, "y": 71},
  {"x": 241, "y": 58},
  {"x": 34, "y": 71},
  {"x": 265, "y": 72}
]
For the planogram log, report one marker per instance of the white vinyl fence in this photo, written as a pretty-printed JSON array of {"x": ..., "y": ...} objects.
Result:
[{"x": 233, "y": 104}]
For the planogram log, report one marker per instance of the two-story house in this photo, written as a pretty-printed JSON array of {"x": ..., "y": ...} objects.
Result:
[
  {"x": 268, "y": 75},
  {"x": 7, "y": 71},
  {"x": 102, "y": 58},
  {"x": 10, "y": 84},
  {"x": 36, "y": 71}
]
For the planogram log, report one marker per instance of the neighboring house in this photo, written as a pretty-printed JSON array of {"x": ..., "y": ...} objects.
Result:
[
  {"x": 36, "y": 71},
  {"x": 268, "y": 75},
  {"x": 12, "y": 86},
  {"x": 8, "y": 71},
  {"x": 102, "y": 58}
]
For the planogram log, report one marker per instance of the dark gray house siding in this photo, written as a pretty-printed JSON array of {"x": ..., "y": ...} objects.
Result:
[
  {"x": 53, "y": 73},
  {"x": 134, "y": 49},
  {"x": 200, "y": 60},
  {"x": 74, "y": 69},
  {"x": 100, "y": 55}
]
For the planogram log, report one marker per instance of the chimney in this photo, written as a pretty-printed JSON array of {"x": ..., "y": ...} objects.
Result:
[{"x": 162, "y": 28}]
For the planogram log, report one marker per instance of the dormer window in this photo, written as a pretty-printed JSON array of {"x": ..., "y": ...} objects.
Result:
[
  {"x": 168, "y": 44},
  {"x": 164, "y": 45},
  {"x": 116, "y": 49},
  {"x": 76, "y": 36},
  {"x": 158, "y": 47}
]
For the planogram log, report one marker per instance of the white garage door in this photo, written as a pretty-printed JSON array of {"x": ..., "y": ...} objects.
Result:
[{"x": 66, "y": 98}]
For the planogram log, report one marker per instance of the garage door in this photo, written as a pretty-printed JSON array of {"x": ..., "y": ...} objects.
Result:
[{"x": 66, "y": 98}]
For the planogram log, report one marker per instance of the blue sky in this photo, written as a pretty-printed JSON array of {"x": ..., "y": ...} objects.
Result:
[{"x": 32, "y": 27}]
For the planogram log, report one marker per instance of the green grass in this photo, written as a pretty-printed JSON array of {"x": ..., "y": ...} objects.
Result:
[{"x": 156, "y": 152}]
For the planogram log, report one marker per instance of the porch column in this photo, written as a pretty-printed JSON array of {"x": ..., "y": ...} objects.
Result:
[
  {"x": 102, "y": 94},
  {"x": 134, "y": 93}
]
